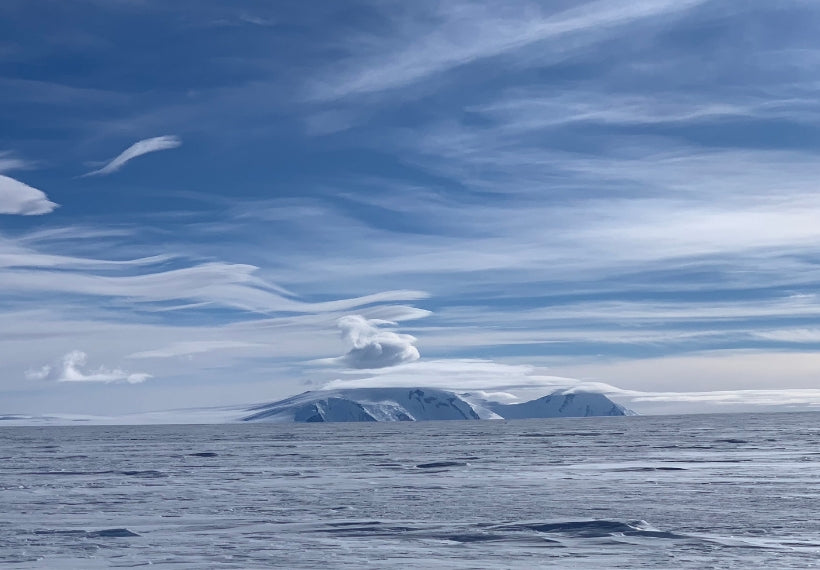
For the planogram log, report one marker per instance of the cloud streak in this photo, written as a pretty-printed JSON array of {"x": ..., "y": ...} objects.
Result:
[
  {"x": 190, "y": 348},
  {"x": 466, "y": 32},
  {"x": 139, "y": 148},
  {"x": 236, "y": 286}
]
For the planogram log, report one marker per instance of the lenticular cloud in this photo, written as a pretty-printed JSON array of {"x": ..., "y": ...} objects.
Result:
[{"x": 372, "y": 347}]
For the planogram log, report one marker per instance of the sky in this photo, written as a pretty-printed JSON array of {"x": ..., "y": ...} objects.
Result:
[{"x": 208, "y": 203}]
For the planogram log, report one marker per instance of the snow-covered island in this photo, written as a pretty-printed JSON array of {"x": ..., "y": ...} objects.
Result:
[
  {"x": 357, "y": 405},
  {"x": 423, "y": 404}
]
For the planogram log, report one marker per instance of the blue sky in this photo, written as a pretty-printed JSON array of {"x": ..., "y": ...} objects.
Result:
[{"x": 207, "y": 203}]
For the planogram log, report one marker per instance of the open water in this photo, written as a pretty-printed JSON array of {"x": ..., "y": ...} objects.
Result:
[{"x": 730, "y": 491}]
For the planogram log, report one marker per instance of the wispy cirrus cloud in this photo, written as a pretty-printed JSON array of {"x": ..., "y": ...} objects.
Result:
[
  {"x": 8, "y": 161},
  {"x": 522, "y": 111},
  {"x": 220, "y": 284},
  {"x": 139, "y": 148},
  {"x": 466, "y": 32},
  {"x": 189, "y": 348}
]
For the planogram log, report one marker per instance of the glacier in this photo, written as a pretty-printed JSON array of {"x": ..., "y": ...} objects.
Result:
[{"x": 424, "y": 404}]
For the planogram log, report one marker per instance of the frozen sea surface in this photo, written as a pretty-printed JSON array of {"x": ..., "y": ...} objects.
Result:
[{"x": 732, "y": 491}]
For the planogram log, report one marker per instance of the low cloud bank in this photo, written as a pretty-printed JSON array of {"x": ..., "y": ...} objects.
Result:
[{"x": 507, "y": 381}]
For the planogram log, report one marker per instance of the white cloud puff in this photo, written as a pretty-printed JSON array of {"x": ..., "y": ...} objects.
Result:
[
  {"x": 137, "y": 149},
  {"x": 372, "y": 347},
  {"x": 72, "y": 368},
  {"x": 19, "y": 198}
]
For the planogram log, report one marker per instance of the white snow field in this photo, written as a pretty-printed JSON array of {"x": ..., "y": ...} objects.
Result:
[{"x": 734, "y": 491}]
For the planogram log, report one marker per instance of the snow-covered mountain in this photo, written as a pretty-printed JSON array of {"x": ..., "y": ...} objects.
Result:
[
  {"x": 355, "y": 405},
  {"x": 367, "y": 405},
  {"x": 420, "y": 404},
  {"x": 560, "y": 405}
]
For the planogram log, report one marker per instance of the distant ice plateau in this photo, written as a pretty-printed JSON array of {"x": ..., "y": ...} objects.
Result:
[{"x": 426, "y": 404}]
